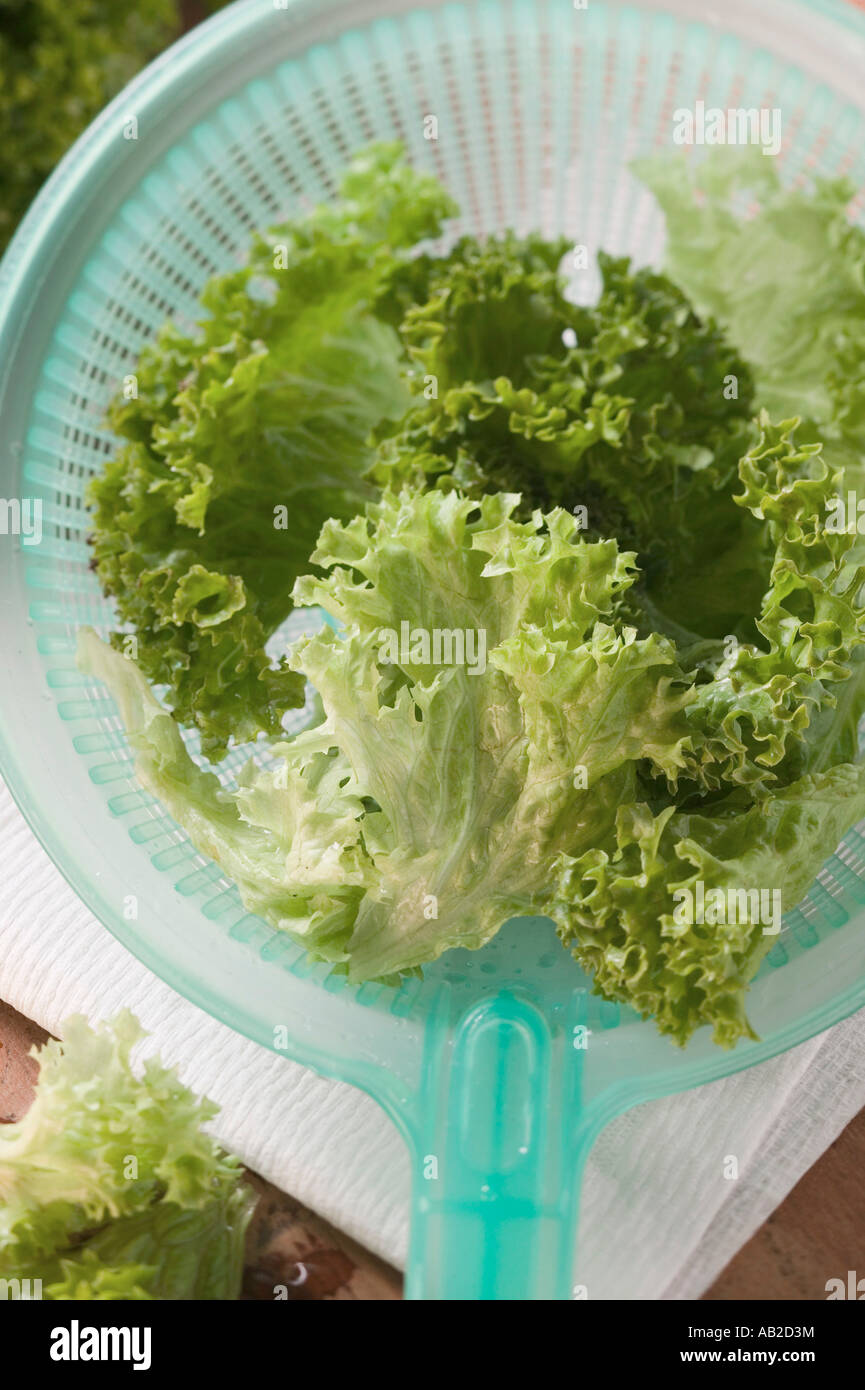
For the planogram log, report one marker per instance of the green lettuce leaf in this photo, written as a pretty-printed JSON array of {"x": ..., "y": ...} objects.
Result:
[
  {"x": 783, "y": 271},
  {"x": 767, "y": 711},
  {"x": 108, "y": 1176},
  {"x": 616, "y": 908},
  {"x": 641, "y": 421},
  {"x": 82, "y": 52},
  {"x": 85, "y": 1278},
  {"x": 489, "y": 308},
  {"x": 266, "y": 406},
  {"x": 427, "y": 807},
  {"x": 164, "y": 1251}
]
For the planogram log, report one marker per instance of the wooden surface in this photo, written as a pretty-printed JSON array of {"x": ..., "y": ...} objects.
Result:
[{"x": 818, "y": 1232}]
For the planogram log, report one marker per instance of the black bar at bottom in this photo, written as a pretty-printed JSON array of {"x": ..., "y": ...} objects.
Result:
[{"x": 252, "y": 1339}]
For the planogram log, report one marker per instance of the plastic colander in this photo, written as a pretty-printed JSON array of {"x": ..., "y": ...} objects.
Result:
[{"x": 540, "y": 107}]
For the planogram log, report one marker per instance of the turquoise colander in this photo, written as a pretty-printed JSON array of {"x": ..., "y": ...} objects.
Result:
[{"x": 499, "y": 1067}]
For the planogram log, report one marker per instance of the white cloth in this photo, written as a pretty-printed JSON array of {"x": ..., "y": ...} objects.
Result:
[{"x": 659, "y": 1217}]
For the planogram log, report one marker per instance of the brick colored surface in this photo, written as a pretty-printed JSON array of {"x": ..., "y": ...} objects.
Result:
[
  {"x": 17, "y": 1069},
  {"x": 292, "y": 1251}
]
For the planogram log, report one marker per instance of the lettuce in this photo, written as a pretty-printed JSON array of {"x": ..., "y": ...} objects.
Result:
[
  {"x": 81, "y": 52},
  {"x": 616, "y": 906},
  {"x": 428, "y": 805},
  {"x": 597, "y": 646},
  {"x": 786, "y": 280},
  {"x": 459, "y": 367},
  {"x": 434, "y": 801},
  {"x": 764, "y": 716},
  {"x": 267, "y": 405},
  {"x": 641, "y": 422},
  {"x": 109, "y": 1186}
]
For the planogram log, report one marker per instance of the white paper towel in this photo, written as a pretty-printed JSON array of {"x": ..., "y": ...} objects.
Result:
[{"x": 659, "y": 1218}]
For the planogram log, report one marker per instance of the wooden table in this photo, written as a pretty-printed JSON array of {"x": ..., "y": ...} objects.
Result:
[{"x": 817, "y": 1233}]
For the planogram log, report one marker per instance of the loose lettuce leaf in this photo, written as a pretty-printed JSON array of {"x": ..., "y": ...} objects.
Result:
[
  {"x": 164, "y": 1251},
  {"x": 433, "y": 802},
  {"x": 427, "y": 807},
  {"x": 615, "y": 906},
  {"x": 642, "y": 421},
  {"x": 83, "y": 1278},
  {"x": 765, "y": 711},
  {"x": 783, "y": 271},
  {"x": 109, "y": 1179},
  {"x": 266, "y": 405}
]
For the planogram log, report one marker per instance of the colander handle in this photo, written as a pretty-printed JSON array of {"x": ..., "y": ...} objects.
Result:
[{"x": 498, "y": 1154}]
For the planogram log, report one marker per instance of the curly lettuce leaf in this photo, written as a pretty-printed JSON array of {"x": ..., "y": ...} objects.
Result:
[
  {"x": 783, "y": 270},
  {"x": 84, "y": 1278},
  {"x": 768, "y": 711},
  {"x": 641, "y": 420},
  {"x": 475, "y": 775},
  {"x": 489, "y": 309},
  {"x": 267, "y": 405},
  {"x": 106, "y": 1172},
  {"x": 164, "y": 1251},
  {"x": 615, "y": 906},
  {"x": 426, "y": 808}
]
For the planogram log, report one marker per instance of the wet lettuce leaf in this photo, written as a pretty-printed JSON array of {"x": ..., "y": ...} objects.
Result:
[
  {"x": 783, "y": 271},
  {"x": 109, "y": 1187},
  {"x": 266, "y": 405},
  {"x": 634, "y": 409},
  {"x": 428, "y": 805}
]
